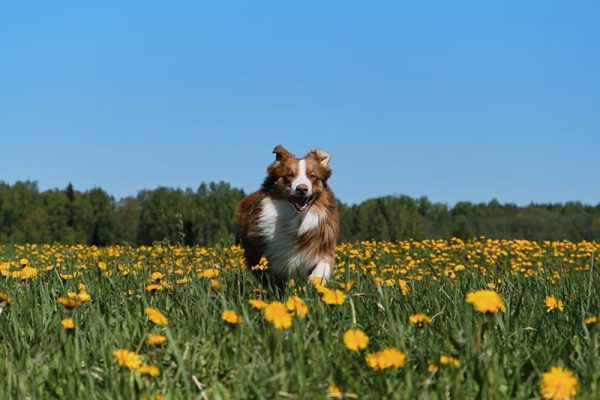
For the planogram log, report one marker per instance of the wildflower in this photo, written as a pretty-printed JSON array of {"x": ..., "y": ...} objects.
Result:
[
  {"x": 231, "y": 317},
  {"x": 486, "y": 301},
  {"x": 154, "y": 287},
  {"x": 209, "y": 273},
  {"x": 387, "y": 358},
  {"x": 297, "y": 305},
  {"x": 147, "y": 369},
  {"x": 334, "y": 392},
  {"x": 552, "y": 303},
  {"x": 156, "y": 340},
  {"x": 156, "y": 316},
  {"x": 355, "y": 340},
  {"x": 592, "y": 320},
  {"x": 432, "y": 367},
  {"x": 558, "y": 383},
  {"x": 449, "y": 360},
  {"x": 217, "y": 286},
  {"x": 4, "y": 298},
  {"x": 262, "y": 265},
  {"x": 333, "y": 296},
  {"x": 347, "y": 285},
  {"x": 68, "y": 323},
  {"x": 127, "y": 358},
  {"x": 157, "y": 276},
  {"x": 24, "y": 262},
  {"x": 419, "y": 319},
  {"x": 258, "y": 304},
  {"x": 277, "y": 314},
  {"x": 68, "y": 302},
  {"x": 404, "y": 288},
  {"x": 102, "y": 265}
]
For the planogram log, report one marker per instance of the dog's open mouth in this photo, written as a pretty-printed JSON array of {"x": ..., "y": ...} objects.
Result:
[{"x": 300, "y": 203}]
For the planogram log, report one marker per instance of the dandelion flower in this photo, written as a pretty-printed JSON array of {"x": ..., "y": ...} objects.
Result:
[
  {"x": 333, "y": 296},
  {"x": 592, "y": 320},
  {"x": 258, "y": 304},
  {"x": 69, "y": 302},
  {"x": 156, "y": 316},
  {"x": 486, "y": 301},
  {"x": 552, "y": 303},
  {"x": 231, "y": 317},
  {"x": 419, "y": 319},
  {"x": 4, "y": 298},
  {"x": 147, "y": 369},
  {"x": 334, "y": 392},
  {"x": 387, "y": 358},
  {"x": 156, "y": 340},
  {"x": 449, "y": 360},
  {"x": 297, "y": 305},
  {"x": 558, "y": 384},
  {"x": 404, "y": 288},
  {"x": 355, "y": 340},
  {"x": 68, "y": 323},
  {"x": 127, "y": 358},
  {"x": 277, "y": 314}
]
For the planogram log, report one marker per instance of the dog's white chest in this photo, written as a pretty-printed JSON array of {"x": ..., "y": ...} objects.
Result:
[{"x": 279, "y": 226}]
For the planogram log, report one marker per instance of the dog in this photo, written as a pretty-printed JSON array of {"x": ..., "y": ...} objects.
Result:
[{"x": 292, "y": 220}]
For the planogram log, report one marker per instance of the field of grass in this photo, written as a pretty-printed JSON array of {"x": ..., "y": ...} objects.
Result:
[{"x": 548, "y": 295}]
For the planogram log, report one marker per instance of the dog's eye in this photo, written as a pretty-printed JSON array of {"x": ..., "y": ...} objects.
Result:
[
  {"x": 313, "y": 176},
  {"x": 290, "y": 175}
]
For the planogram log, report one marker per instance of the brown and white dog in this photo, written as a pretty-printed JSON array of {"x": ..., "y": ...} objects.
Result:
[{"x": 292, "y": 220}]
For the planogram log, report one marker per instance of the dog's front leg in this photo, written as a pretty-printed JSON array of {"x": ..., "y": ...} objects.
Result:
[{"x": 321, "y": 271}]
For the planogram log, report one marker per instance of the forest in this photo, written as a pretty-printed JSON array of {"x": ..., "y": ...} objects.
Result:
[{"x": 205, "y": 217}]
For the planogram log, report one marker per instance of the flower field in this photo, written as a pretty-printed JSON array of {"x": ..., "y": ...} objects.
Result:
[{"x": 431, "y": 319}]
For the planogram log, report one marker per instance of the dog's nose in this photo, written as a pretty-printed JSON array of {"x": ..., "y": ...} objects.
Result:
[{"x": 301, "y": 190}]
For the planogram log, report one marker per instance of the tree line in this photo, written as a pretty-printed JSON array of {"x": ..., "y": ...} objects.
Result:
[{"x": 205, "y": 216}]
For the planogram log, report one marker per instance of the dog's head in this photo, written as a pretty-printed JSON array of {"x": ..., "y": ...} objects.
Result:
[{"x": 298, "y": 180}]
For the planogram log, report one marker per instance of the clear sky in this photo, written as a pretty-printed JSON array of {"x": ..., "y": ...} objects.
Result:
[{"x": 455, "y": 100}]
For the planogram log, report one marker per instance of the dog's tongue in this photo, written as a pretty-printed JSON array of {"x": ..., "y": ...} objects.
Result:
[{"x": 299, "y": 202}]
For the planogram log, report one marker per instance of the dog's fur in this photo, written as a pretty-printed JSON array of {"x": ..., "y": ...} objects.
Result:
[{"x": 292, "y": 220}]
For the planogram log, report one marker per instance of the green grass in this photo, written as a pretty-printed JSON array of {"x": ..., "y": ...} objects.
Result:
[{"x": 208, "y": 358}]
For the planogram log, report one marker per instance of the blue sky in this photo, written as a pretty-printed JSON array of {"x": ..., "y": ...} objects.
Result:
[{"x": 453, "y": 100}]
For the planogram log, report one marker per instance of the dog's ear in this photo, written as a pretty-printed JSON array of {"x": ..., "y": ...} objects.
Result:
[
  {"x": 323, "y": 157},
  {"x": 281, "y": 153}
]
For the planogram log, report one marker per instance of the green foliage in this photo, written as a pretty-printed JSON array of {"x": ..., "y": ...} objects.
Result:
[{"x": 206, "y": 217}]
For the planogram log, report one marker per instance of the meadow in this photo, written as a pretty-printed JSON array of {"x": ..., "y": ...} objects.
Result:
[{"x": 431, "y": 319}]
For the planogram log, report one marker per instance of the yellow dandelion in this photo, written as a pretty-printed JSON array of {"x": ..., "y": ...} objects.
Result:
[
  {"x": 333, "y": 296},
  {"x": 419, "y": 319},
  {"x": 449, "y": 360},
  {"x": 156, "y": 340},
  {"x": 277, "y": 314},
  {"x": 262, "y": 265},
  {"x": 558, "y": 384},
  {"x": 127, "y": 358},
  {"x": 156, "y": 316},
  {"x": 404, "y": 288},
  {"x": 355, "y": 340},
  {"x": 387, "y": 358},
  {"x": 4, "y": 298},
  {"x": 209, "y": 273},
  {"x": 217, "y": 286},
  {"x": 69, "y": 302},
  {"x": 486, "y": 301},
  {"x": 147, "y": 369},
  {"x": 297, "y": 305},
  {"x": 258, "y": 304},
  {"x": 231, "y": 317},
  {"x": 334, "y": 392},
  {"x": 432, "y": 367},
  {"x": 552, "y": 303},
  {"x": 592, "y": 320},
  {"x": 68, "y": 323}
]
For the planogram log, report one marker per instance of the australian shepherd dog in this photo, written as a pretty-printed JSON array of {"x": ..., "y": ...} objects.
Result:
[{"x": 292, "y": 220}]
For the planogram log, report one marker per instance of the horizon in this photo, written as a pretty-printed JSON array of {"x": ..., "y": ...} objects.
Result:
[{"x": 456, "y": 102}]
